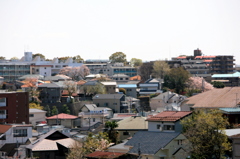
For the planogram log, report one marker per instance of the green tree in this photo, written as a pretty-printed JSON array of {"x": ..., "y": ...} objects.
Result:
[
  {"x": 218, "y": 84},
  {"x": 38, "y": 54},
  {"x": 78, "y": 59},
  {"x": 65, "y": 109},
  {"x": 48, "y": 111},
  {"x": 54, "y": 110},
  {"x": 205, "y": 132},
  {"x": 176, "y": 79},
  {"x": 160, "y": 69},
  {"x": 14, "y": 58},
  {"x": 2, "y": 58},
  {"x": 135, "y": 62},
  {"x": 112, "y": 133},
  {"x": 35, "y": 106},
  {"x": 118, "y": 57}
]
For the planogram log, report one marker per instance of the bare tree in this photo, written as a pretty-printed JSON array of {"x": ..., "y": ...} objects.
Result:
[
  {"x": 71, "y": 87},
  {"x": 31, "y": 84},
  {"x": 76, "y": 73},
  {"x": 160, "y": 68}
]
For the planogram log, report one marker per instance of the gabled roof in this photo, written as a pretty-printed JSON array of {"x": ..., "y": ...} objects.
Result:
[
  {"x": 215, "y": 98},
  {"x": 138, "y": 78},
  {"x": 9, "y": 148},
  {"x": 108, "y": 96},
  {"x": 150, "y": 142},
  {"x": 102, "y": 154},
  {"x": 57, "y": 77},
  {"x": 133, "y": 123},
  {"x": 110, "y": 83},
  {"x": 31, "y": 110},
  {"x": 169, "y": 116},
  {"x": 4, "y": 128},
  {"x": 90, "y": 106},
  {"x": 49, "y": 141},
  {"x": 62, "y": 116}
]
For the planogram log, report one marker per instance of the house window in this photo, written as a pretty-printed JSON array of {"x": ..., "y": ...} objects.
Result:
[
  {"x": 169, "y": 127},
  {"x": 31, "y": 115},
  {"x": 3, "y": 102},
  {"x": 179, "y": 142},
  {"x": 94, "y": 119},
  {"x": 20, "y": 133},
  {"x": 158, "y": 126},
  {"x": 161, "y": 157},
  {"x": 3, "y": 114},
  {"x": 106, "y": 104},
  {"x": 126, "y": 133}
]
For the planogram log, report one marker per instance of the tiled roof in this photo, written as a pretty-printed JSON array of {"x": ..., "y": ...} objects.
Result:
[
  {"x": 108, "y": 96},
  {"x": 169, "y": 116},
  {"x": 136, "y": 78},
  {"x": 49, "y": 85},
  {"x": 63, "y": 116},
  {"x": 150, "y": 142},
  {"x": 133, "y": 123},
  {"x": 231, "y": 110},
  {"x": 4, "y": 128},
  {"x": 102, "y": 154},
  {"x": 215, "y": 98}
]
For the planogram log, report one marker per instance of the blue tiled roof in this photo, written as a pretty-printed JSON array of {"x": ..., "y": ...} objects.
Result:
[
  {"x": 236, "y": 74},
  {"x": 230, "y": 110},
  {"x": 127, "y": 86},
  {"x": 150, "y": 142}
]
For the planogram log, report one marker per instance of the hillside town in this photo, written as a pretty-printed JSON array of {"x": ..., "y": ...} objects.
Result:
[{"x": 71, "y": 108}]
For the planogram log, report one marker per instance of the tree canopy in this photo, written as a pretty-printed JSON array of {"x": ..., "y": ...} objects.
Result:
[
  {"x": 176, "y": 79},
  {"x": 78, "y": 59},
  {"x": 145, "y": 70},
  {"x": 38, "y": 54},
  {"x": 118, "y": 57},
  {"x": 205, "y": 131},
  {"x": 135, "y": 62},
  {"x": 76, "y": 73},
  {"x": 2, "y": 58},
  {"x": 218, "y": 84},
  {"x": 160, "y": 69}
]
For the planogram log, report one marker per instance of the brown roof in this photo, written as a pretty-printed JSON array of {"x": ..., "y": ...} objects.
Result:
[
  {"x": 4, "y": 128},
  {"x": 63, "y": 116},
  {"x": 136, "y": 78},
  {"x": 101, "y": 154},
  {"x": 169, "y": 116},
  {"x": 216, "y": 98}
]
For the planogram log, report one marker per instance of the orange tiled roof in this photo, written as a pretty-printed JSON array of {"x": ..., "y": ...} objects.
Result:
[
  {"x": 169, "y": 116},
  {"x": 62, "y": 116},
  {"x": 135, "y": 78},
  {"x": 4, "y": 128}
]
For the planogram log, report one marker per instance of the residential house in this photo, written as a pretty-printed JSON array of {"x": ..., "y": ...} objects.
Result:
[
  {"x": 232, "y": 114},
  {"x": 121, "y": 116},
  {"x": 52, "y": 145},
  {"x": 113, "y": 101},
  {"x": 227, "y": 97},
  {"x": 229, "y": 80},
  {"x": 110, "y": 87},
  {"x": 14, "y": 107},
  {"x": 69, "y": 121},
  {"x": 120, "y": 78},
  {"x": 15, "y": 133},
  {"x": 92, "y": 108},
  {"x": 50, "y": 92},
  {"x": 167, "y": 101},
  {"x": 234, "y": 137},
  {"x": 150, "y": 86},
  {"x": 131, "y": 89},
  {"x": 167, "y": 121},
  {"x": 129, "y": 126},
  {"x": 161, "y": 145},
  {"x": 37, "y": 116},
  {"x": 57, "y": 78}
]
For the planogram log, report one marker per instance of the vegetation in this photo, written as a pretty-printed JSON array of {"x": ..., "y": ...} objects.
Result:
[
  {"x": 118, "y": 57},
  {"x": 2, "y": 58},
  {"x": 134, "y": 62},
  {"x": 94, "y": 142},
  {"x": 123, "y": 90},
  {"x": 31, "y": 84},
  {"x": 218, "y": 84},
  {"x": 71, "y": 87},
  {"x": 65, "y": 109},
  {"x": 76, "y": 73},
  {"x": 205, "y": 131},
  {"x": 176, "y": 79},
  {"x": 145, "y": 70},
  {"x": 48, "y": 111},
  {"x": 54, "y": 110},
  {"x": 38, "y": 54},
  {"x": 112, "y": 133},
  {"x": 35, "y": 106},
  {"x": 160, "y": 69}
]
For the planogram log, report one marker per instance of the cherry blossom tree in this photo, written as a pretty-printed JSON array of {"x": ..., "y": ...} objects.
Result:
[
  {"x": 31, "y": 84},
  {"x": 199, "y": 83},
  {"x": 76, "y": 73}
]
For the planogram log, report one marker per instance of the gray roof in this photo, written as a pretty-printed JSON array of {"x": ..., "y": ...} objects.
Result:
[
  {"x": 56, "y": 77},
  {"x": 49, "y": 85},
  {"x": 150, "y": 142},
  {"x": 35, "y": 110},
  {"x": 108, "y": 96},
  {"x": 40, "y": 77},
  {"x": 120, "y": 75},
  {"x": 91, "y": 83},
  {"x": 90, "y": 106}
]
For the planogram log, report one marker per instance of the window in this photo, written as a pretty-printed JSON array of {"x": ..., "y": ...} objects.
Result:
[
  {"x": 3, "y": 101},
  {"x": 169, "y": 127},
  {"x": 106, "y": 104},
  {"x": 94, "y": 119},
  {"x": 158, "y": 126},
  {"x": 179, "y": 142},
  {"x": 126, "y": 133},
  {"x": 3, "y": 114},
  {"x": 20, "y": 133},
  {"x": 31, "y": 115}
]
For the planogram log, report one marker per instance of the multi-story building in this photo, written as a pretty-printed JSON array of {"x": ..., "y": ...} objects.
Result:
[
  {"x": 14, "y": 107},
  {"x": 11, "y": 70}
]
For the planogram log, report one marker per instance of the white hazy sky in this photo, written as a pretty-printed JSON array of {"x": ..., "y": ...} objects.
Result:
[{"x": 94, "y": 29}]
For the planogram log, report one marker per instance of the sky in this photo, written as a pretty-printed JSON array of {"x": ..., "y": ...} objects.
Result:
[{"x": 95, "y": 29}]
